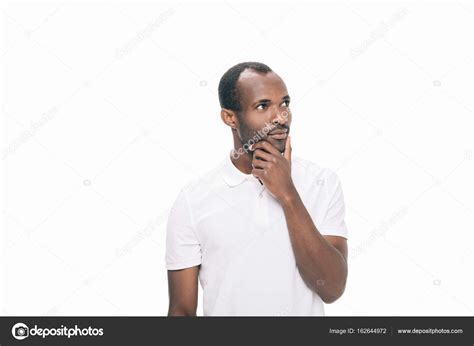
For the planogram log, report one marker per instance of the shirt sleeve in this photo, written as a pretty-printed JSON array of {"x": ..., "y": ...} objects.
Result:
[
  {"x": 183, "y": 249},
  {"x": 333, "y": 222}
]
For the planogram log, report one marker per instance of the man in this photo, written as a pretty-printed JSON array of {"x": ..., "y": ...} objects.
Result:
[{"x": 264, "y": 232}]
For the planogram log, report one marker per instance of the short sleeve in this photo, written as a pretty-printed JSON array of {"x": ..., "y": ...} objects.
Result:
[
  {"x": 183, "y": 249},
  {"x": 333, "y": 221}
]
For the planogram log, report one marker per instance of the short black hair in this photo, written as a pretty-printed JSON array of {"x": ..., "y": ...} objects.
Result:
[{"x": 228, "y": 93}]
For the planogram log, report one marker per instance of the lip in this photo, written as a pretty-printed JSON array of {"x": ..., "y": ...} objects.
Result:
[{"x": 279, "y": 135}]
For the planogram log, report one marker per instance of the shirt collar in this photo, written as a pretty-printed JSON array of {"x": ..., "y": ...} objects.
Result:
[{"x": 232, "y": 175}]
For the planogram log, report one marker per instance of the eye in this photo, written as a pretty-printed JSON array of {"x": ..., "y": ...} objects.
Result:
[
  {"x": 286, "y": 103},
  {"x": 261, "y": 106}
]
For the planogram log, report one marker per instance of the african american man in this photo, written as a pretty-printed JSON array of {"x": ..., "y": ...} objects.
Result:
[{"x": 263, "y": 232}]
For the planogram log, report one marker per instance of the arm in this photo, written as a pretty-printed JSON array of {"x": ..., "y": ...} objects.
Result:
[
  {"x": 183, "y": 291},
  {"x": 321, "y": 260}
]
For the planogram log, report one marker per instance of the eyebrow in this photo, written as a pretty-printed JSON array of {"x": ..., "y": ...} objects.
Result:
[{"x": 284, "y": 98}]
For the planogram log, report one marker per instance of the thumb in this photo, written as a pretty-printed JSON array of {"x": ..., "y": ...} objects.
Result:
[{"x": 287, "y": 152}]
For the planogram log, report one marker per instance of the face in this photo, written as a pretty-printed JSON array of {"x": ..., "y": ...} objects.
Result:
[{"x": 264, "y": 103}]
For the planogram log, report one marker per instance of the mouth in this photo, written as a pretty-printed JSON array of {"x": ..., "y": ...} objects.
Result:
[{"x": 281, "y": 134}]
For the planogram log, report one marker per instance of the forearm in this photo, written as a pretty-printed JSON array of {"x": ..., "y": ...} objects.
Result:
[
  {"x": 183, "y": 309},
  {"x": 178, "y": 312},
  {"x": 321, "y": 265}
]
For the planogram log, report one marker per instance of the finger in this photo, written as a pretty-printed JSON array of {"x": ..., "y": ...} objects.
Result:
[
  {"x": 266, "y": 146},
  {"x": 259, "y": 164},
  {"x": 263, "y": 155},
  {"x": 287, "y": 152},
  {"x": 257, "y": 173}
]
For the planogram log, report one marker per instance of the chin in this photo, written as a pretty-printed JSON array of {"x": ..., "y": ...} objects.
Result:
[{"x": 279, "y": 144}]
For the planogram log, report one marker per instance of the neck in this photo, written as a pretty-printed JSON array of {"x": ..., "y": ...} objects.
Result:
[
  {"x": 242, "y": 161},
  {"x": 240, "y": 158}
]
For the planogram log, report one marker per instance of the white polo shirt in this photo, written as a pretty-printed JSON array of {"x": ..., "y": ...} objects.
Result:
[{"x": 229, "y": 223}]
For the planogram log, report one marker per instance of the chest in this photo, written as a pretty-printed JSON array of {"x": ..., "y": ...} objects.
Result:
[{"x": 229, "y": 225}]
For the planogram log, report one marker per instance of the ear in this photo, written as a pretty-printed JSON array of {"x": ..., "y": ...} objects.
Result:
[{"x": 229, "y": 118}]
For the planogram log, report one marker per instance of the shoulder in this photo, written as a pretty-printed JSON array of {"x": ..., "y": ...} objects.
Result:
[
  {"x": 305, "y": 169},
  {"x": 204, "y": 182}
]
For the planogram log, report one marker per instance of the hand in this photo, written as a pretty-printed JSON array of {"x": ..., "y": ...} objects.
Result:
[{"x": 273, "y": 169}]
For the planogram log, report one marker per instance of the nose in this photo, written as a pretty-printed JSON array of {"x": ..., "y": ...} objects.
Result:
[{"x": 280, "y": 117}]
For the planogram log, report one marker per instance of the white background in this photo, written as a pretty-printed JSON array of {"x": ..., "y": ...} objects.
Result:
[{"x": 108, "y": 110}]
